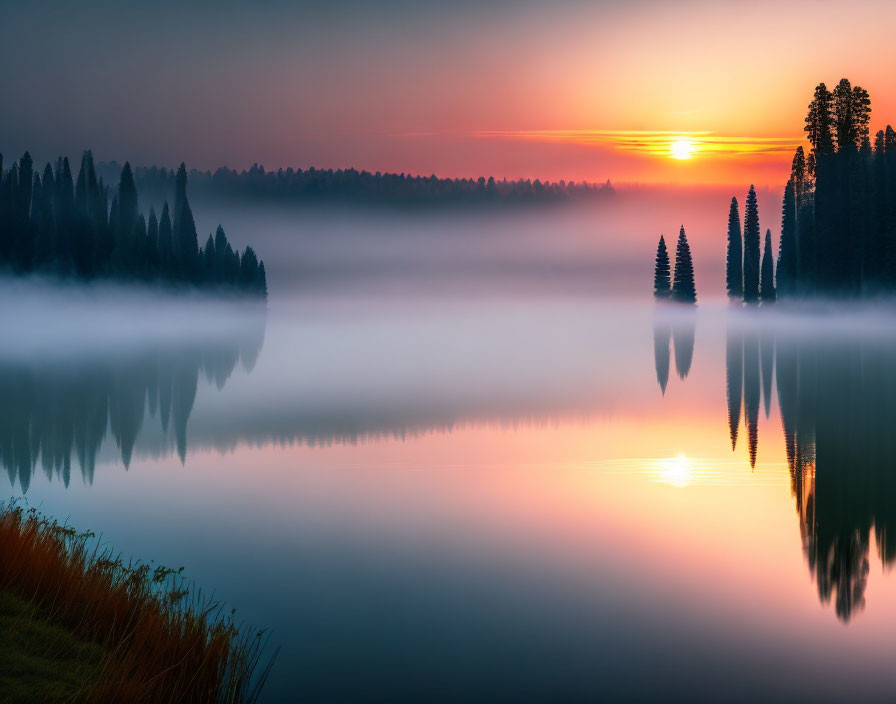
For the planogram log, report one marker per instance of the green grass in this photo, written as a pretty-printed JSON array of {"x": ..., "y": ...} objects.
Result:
[{"x": 41, "y": 662}]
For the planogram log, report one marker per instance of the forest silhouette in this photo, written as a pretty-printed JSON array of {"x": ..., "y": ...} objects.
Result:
[
  {"x": 349, "y": 186},
  {"x": 52, "y": 224},
  {"x": 838, "y": 216}
]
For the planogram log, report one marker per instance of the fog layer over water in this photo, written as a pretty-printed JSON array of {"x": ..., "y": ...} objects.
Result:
[
  {"x": 604, "y": 248},
  {"x": 490, "y": 488}
]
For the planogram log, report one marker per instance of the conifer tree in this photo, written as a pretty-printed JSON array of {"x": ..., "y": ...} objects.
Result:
[
  {"x": 751, "y": 248},
  {"x": 127, "y": 248},
  {"x": 819, "y": 123},
  {"x": 46, "y": 235},
  {"x": 186, "y": 245},
  {"x": 683, "y": 288},
  {"x": 735, "y": 264},
  {"x": 786, "y": 278},
  {"x": 767, "y": 288},
  {"x": 210, "y": 261},
  {"x": 661, "y": 279}
]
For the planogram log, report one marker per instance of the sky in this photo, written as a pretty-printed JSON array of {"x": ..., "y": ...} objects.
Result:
[{"x": 562, "y": 90}]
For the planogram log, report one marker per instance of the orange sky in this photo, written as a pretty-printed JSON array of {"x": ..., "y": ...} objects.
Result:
[{"x": 463, "y": 89}]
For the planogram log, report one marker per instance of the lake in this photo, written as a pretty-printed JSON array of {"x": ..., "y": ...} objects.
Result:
[{"x": 482, "y": 484}]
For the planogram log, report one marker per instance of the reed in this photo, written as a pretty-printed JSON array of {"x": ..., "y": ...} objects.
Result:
[{"x": 162, "y": 641}]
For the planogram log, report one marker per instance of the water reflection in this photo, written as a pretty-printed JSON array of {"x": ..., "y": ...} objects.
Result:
[
  {"x": 835, "y": 404},
  {"x": 673, "y": 327},
  {"x": 52, "y": 409}
]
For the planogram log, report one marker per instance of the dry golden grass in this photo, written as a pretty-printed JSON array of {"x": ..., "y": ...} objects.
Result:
[{"x": 161, "y": 642}]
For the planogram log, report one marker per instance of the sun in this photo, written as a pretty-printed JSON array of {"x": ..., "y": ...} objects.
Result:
[{"x": 681, "y": 149}]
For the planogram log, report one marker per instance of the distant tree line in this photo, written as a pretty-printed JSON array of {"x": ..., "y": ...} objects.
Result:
[
  {"x": 363, "y": 187},
  {"x": 678, "y": 286},
  {"x": 52, "y": 223}
]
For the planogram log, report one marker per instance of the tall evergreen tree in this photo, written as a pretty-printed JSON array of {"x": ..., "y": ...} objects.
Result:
[
  {"x": 209, "y": 261},
  {"x": 767, "y": 288},
  {"x": 127, "y": 247},
  {"x": 661, "y": 278},
  {"x": 683, "y": 288},
  {"x": 819, "y": 123},
  {"x": 186, "y": 245},
  {"x": 734, "y": 272},
  {"x": 786, "y": 279},
  {"x": 751, "y": 248}
]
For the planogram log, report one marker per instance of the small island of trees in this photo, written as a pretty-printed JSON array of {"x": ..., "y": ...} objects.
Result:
[
  {"x": 53, "y": 224},
  {"x": 678, "y": 287}
]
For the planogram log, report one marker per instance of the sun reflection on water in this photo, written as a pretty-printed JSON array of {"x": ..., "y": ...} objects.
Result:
[{"x": 675, "y": 470}]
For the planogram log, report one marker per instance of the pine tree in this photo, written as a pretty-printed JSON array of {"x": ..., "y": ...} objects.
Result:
[
  {"x": 751, "y": 248},
  {"x": 661, "y": 278},
  {"x": 683, "y": 289},
  {"x": 767, "y": 289},
  {"x": 734, "y": 277},
  {"x": 819, "y": 123}
]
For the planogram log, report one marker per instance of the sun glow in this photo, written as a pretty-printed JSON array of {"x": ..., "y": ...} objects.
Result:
[
  {"x": 682, "y": 149},
  {"x": 676, "y": 471}
]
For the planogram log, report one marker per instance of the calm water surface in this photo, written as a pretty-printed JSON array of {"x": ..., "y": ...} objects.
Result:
[{"x": 490, "y": 498}]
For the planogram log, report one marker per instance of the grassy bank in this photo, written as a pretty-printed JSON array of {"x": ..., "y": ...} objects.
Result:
[{"x": 80, "y": 624}]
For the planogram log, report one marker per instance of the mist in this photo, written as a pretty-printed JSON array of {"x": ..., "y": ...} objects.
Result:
[{"x": 604, "y": 248}]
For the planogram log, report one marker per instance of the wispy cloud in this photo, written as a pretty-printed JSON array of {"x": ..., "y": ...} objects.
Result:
[{"x": 654, "y": 142}]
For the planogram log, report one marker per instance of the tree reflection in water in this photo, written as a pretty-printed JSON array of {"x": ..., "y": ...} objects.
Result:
[
  {"x": 835, "y": 399},
  {"x": 52, "y": 409}
]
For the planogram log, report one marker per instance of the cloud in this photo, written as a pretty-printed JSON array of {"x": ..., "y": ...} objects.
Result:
[{"x": 653, "y": 142}]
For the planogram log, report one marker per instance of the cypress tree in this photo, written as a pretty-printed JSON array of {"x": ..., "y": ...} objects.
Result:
[
  {"x": 683, "y": 288},
  {"x": 734, "y": 274},
  {"x": 786, "y": 280},
  {"x": 751, "y": 248},
  {"x": 661, "y": 279},
  {"x": 767, "y": 289}
]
